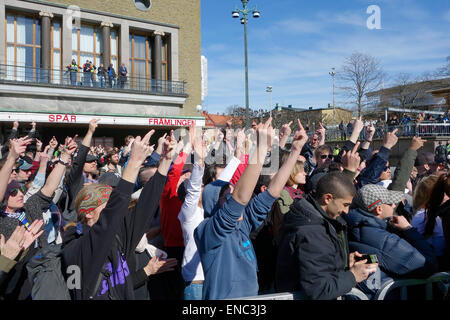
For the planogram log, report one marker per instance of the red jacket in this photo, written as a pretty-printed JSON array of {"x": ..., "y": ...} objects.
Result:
[{"x": 170, "y": 205}]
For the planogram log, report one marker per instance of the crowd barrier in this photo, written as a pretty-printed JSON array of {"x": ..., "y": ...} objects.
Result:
[
  {"x": 441, "y": 280},
  {"x": 424, "y": 129}
]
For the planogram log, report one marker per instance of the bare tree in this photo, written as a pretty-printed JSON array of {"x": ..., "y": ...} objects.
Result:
[
  {"x": 445, "y": 70},
  {"x": 408, "y": 90},
  {"x": 360, "y": 74}
]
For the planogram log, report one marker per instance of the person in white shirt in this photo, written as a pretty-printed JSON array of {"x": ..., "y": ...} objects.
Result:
[{"x": 192, "y": 214}]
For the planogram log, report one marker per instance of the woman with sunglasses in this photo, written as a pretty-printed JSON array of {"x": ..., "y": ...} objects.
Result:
[{"x": 15, "y": 212}]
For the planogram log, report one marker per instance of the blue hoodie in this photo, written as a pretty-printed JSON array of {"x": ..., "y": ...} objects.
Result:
[{"x": 227, "y": 255}]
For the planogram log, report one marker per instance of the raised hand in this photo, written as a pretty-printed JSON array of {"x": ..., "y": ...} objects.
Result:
[
  {"x": 38, "y": 145},
  {"x": 18, "y": 146},
  {"x": 300, "y": 138},
  {"x": 53, "y": 143},
  {"x": 199, "y": 147},
  {"x": 16, "y": 125},
  {"x": 286, "y": 130},
  {"x": 70, "y": 146},
  {"x": 370, "y": 131},
  {"x": 351, "y": 159},
  {"x": 358, "y": 124},
  {"x": 169, "y": 146},
  {"x": 140, "y": 149},
  {"x": 390, "y": 139},
  {"x": 321, "y": 130},
  {"x": 44, "y": 156},
  {"x": 264, "y": 133},
  {"x": 93, "y": 124},
  {"x": 417, "y": 143}
]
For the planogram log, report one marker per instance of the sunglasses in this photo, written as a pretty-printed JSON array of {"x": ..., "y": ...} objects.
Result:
[
  {"x": 387, "y": 168},
  {"x": 14, "y": 192},
  {"x": 16, "y": 170},
  {"x": 324, "y": 156}
]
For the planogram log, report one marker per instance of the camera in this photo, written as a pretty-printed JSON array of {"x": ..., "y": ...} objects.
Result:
[{"x": 371, "y": 258}]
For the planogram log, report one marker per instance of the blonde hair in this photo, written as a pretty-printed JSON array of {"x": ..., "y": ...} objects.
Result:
[
  {"x": 422, "y": 192},
  {"x": 298, "y": 167}
]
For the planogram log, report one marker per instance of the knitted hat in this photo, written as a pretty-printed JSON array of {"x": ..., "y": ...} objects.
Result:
[
  {"x": 94, "y": 199},
  {"x": 372, "y": 195},
  {"x": 10, "y": 187}
]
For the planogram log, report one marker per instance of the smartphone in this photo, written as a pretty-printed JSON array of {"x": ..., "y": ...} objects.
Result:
[{"x": 371, "y": 258}]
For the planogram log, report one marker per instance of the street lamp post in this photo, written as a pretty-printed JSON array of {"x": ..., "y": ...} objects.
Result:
[
  {"x": 269, "y": 90},
  {"x": 332, "y": 74},
  {"x": 236, "y": 14}
]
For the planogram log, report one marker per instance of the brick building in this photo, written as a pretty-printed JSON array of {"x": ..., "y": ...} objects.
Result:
[{"x": 158, "y": 41}]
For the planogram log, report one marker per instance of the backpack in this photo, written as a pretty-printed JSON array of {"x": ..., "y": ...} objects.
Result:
[
  {"x": 45, "y": 275},
  {"x": 105, "y": 274}
]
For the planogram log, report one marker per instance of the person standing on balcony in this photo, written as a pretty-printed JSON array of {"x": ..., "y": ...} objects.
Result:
[
  {"x": 86, "y": 73},
  {"x": 73, "y": 69},
  {"x": 101, "y": 72},
  {"x": 122, "y": 75},
  {"x": 112, "y": 76},
  {"x": 91, "y": 76}
]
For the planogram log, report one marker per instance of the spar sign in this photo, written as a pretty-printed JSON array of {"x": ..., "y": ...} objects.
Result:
[{"x": 84, "y": 119}]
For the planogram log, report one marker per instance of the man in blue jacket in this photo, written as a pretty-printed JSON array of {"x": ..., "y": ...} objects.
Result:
[
  {"x": 373, "y": 229},
  {"x": 223, "y": 240}
]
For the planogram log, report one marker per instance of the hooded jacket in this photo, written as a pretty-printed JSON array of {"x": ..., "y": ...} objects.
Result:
[
  {"x": 226, "y": 251},
  {"x": 313, "y": 253},
  {"x": 400, "y": 253}
]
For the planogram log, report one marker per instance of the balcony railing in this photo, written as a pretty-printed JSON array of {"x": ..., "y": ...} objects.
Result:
[{"x": 65, "y": 78}]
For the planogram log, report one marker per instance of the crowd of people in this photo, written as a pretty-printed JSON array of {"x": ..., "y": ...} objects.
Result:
[
  {"x": 97, "y": 77},
  {"x": 202, "y": 216},
  {"x": 408, "y": 125}
]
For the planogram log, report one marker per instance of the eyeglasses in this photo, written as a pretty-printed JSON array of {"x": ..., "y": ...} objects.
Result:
[
  {"x": 15, "y": 192},
  {"x": 324, "y": 156}
]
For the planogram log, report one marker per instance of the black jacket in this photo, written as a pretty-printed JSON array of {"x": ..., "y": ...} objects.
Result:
[
  {"x": 122, "y": 230},
  {"x": 74, "y": 183},
  {"x": 311, "y": 256}
]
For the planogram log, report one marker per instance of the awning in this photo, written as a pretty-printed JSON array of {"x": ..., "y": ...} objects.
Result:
[{"x": 59, "y": 118}]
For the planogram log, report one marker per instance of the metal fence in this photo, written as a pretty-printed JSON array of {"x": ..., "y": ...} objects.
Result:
[
  {"x": 440, "y": 280},
  {"x": 66, "y": 78},
  {"x": 423, "y": 129}
]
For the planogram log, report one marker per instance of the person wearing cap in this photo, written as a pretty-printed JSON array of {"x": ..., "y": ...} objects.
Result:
[
  {"x": 24, "y": 170},
  {"x": 374, "y": 229}
]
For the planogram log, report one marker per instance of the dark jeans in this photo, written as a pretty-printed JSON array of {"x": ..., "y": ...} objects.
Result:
[
  {"x": 73, "y": 78},
  {"x": 122, "y": 80}
]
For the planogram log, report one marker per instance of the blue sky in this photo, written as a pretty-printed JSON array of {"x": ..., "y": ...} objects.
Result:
[{"x": 295, "y": 43}]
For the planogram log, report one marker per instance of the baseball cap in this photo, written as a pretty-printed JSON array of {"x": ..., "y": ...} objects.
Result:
[
  {"x": 25, "y": 163},
  {"x": 110, "y": 179},
  {"x": 372, "y": 195}
]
